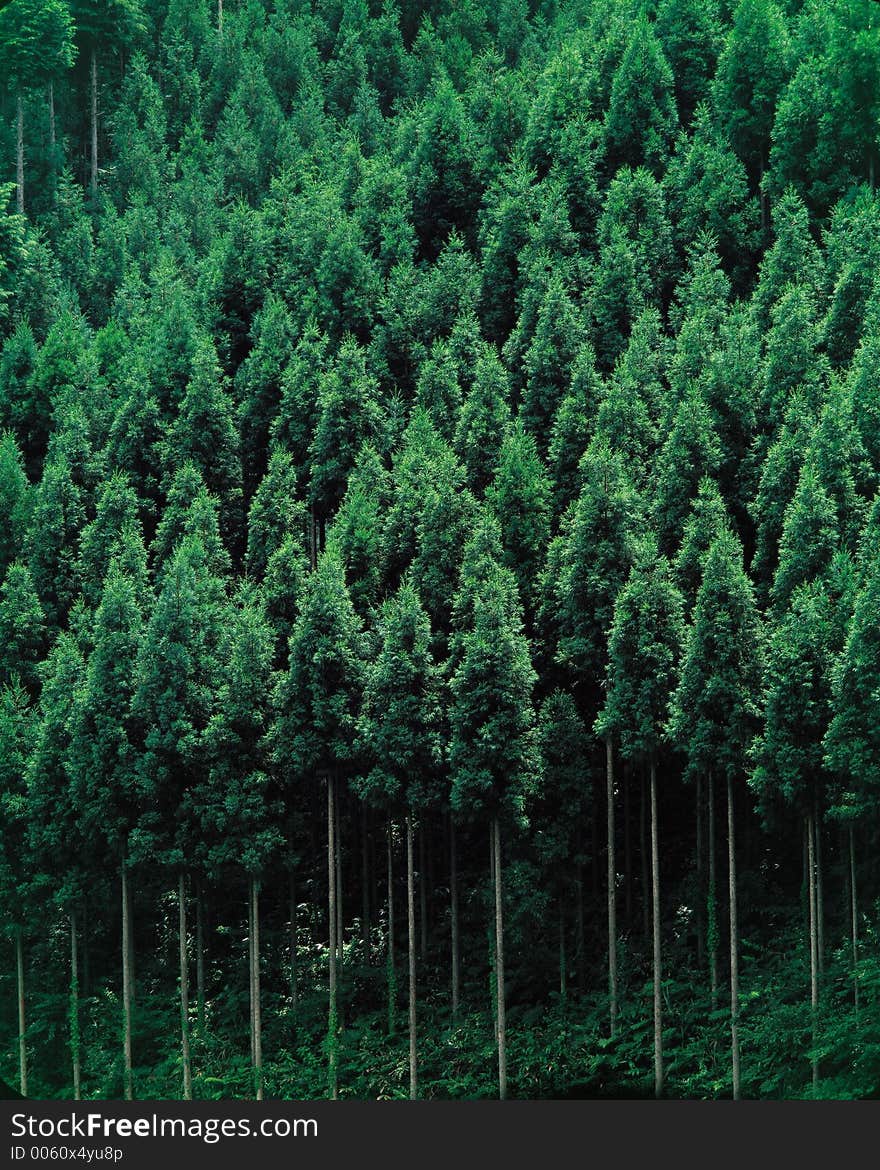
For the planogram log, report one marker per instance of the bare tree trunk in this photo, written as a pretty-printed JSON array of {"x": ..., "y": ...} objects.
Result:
[
  {"x": 220, "y": 17},
  {"x": 22, "y": 1021},
  {"x": 501, "y": 1027},
  {"x": 854, "y": 919},
  {"x": 411, "y": 955},
  {"x": 126, "y": 985},
  {"x": 655, "y": 904},
  {"x": 711, "y": 907},
  {"x": 612, "y": 892},
  {"x": 94, "y": 126},
  {"x": 75, "y": 1055},
  {"x": 184, "y": 991},
  {"x": 331, "y": 919},
  {"x": 814, "y": 941},
  {"x": 453, "y": 919},
  {"x": 820, "y": 895},
  {"x": 423, "y": 896},
  {"x": 200, "y": 961},
  {"x": 391, "y": 974},
  {"x": 19, "y": 153},
  {"x": 258, "y": 1021},
  {"x": 734, "y": 944}
]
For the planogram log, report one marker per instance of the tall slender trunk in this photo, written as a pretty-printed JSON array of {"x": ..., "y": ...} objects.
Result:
[
  {"x": 126, "y": 984},
  {"x": 365, "y": 885},
  {"x": 423, "y": 896},
  {"x": 854, "y": 918},
  {"x": 94, "y": 119},
  {"x": 814, "y": 941},
  {"x": 200, "y": 961},
  {"x": 453, "y": 919},
  {"x": 257, "y": 1014},
  {"x": 332, "y": 1019},
  {"x": 612, "y": 892},
  {"x": 184, "y": 991},
  {"x": 391, "y": 973},
  {"x": 501, "y": 1022},
  {"x": 22, "y": 1021},
  {"x": 411, "y": 955},
  {"x": 19, "y": 153},
  {"x": 75, "y": 1055},
  {"x": 711, "y": 907},
  {"x": 734, "y": 944},
  {"x": 340, "y": 935},
  {"x": 655, "y": 905},
  {"x": 220, "y": 17}
]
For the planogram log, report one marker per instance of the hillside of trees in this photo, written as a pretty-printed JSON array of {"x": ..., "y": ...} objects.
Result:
[{"x": 440, "y": 548}]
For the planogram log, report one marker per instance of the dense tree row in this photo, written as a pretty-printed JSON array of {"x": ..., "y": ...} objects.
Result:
[{"x": 440, "y": 460}]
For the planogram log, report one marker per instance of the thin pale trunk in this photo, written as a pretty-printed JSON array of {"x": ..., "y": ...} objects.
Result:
[
  {"x": 19, "y": 153},
  {"x": 365, "y": 885},
  {"x": 75, "y": 1056},
  {"x": 814, "y": 940},
  {"x": 411, "y": 954},
  {"x": 700, "y": 925},
  {"x": 258, "y": 1021},
  {"x": 734, "y": 944},
  {"x": 711, "y": 908},
  {"x": 453, "y": 918},
  {"x": 854, "y": 918},
  {"x": 501, "y": 1027},
  {"x": 94, "y": 126},
  {"x": 612, "y": 892},
  {"x": 423, "y": 897},
  {"x": 184, "y": 992},
  {"x": 220, "y": 17},
  {"x": 331, "y": 920},
  {"x": 200, "y": 961},
  {"x": 655, "y": 905},
  {"x": 391, "y": 974},
  {"x": 22, "y": 1021},
  {"x": 340, "y": 934}
]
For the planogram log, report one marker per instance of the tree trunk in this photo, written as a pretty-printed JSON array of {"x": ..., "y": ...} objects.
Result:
[
  {"x": 220, "y": 17},
  {"x": 292, "y": 955},
  {"x": 22, "y": 1022},
  {"x": 612, "y": 892},
  {"x": 331, "y": 920},
  {"x": 94, "y": 120},
  {"x": 814, "y": 941},
  {"x": 453, "y": 919},
  {"x": 184, "y": 991},
  {"x": 200, "y": 961},
  {"x": 340, "y": 934},
  {"x": 854, "y": 919},
  {"x": 423, "y": 896},
  {"x": 655, "y": 905},
  {"x": 250, "y": 962},
  {"x": 711, "y": 908},
  {"x": 257, "y": 1015},
  {"x": 74, "y": 1009},
  {"x": 627, "y": 850},
  {"x": 501, "y": 1025},
  {"x": 126, "y": 985},
  {"x": 734, "y": 944},
  {"x": 820, "y": 896},
  {"x": 19, "y": 153},
  {"x": 411, "y": 954},
  {"x": 391, "y": 974}
]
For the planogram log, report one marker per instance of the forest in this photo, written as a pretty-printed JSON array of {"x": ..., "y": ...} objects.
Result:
[{"x": 440, "y": 549}]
